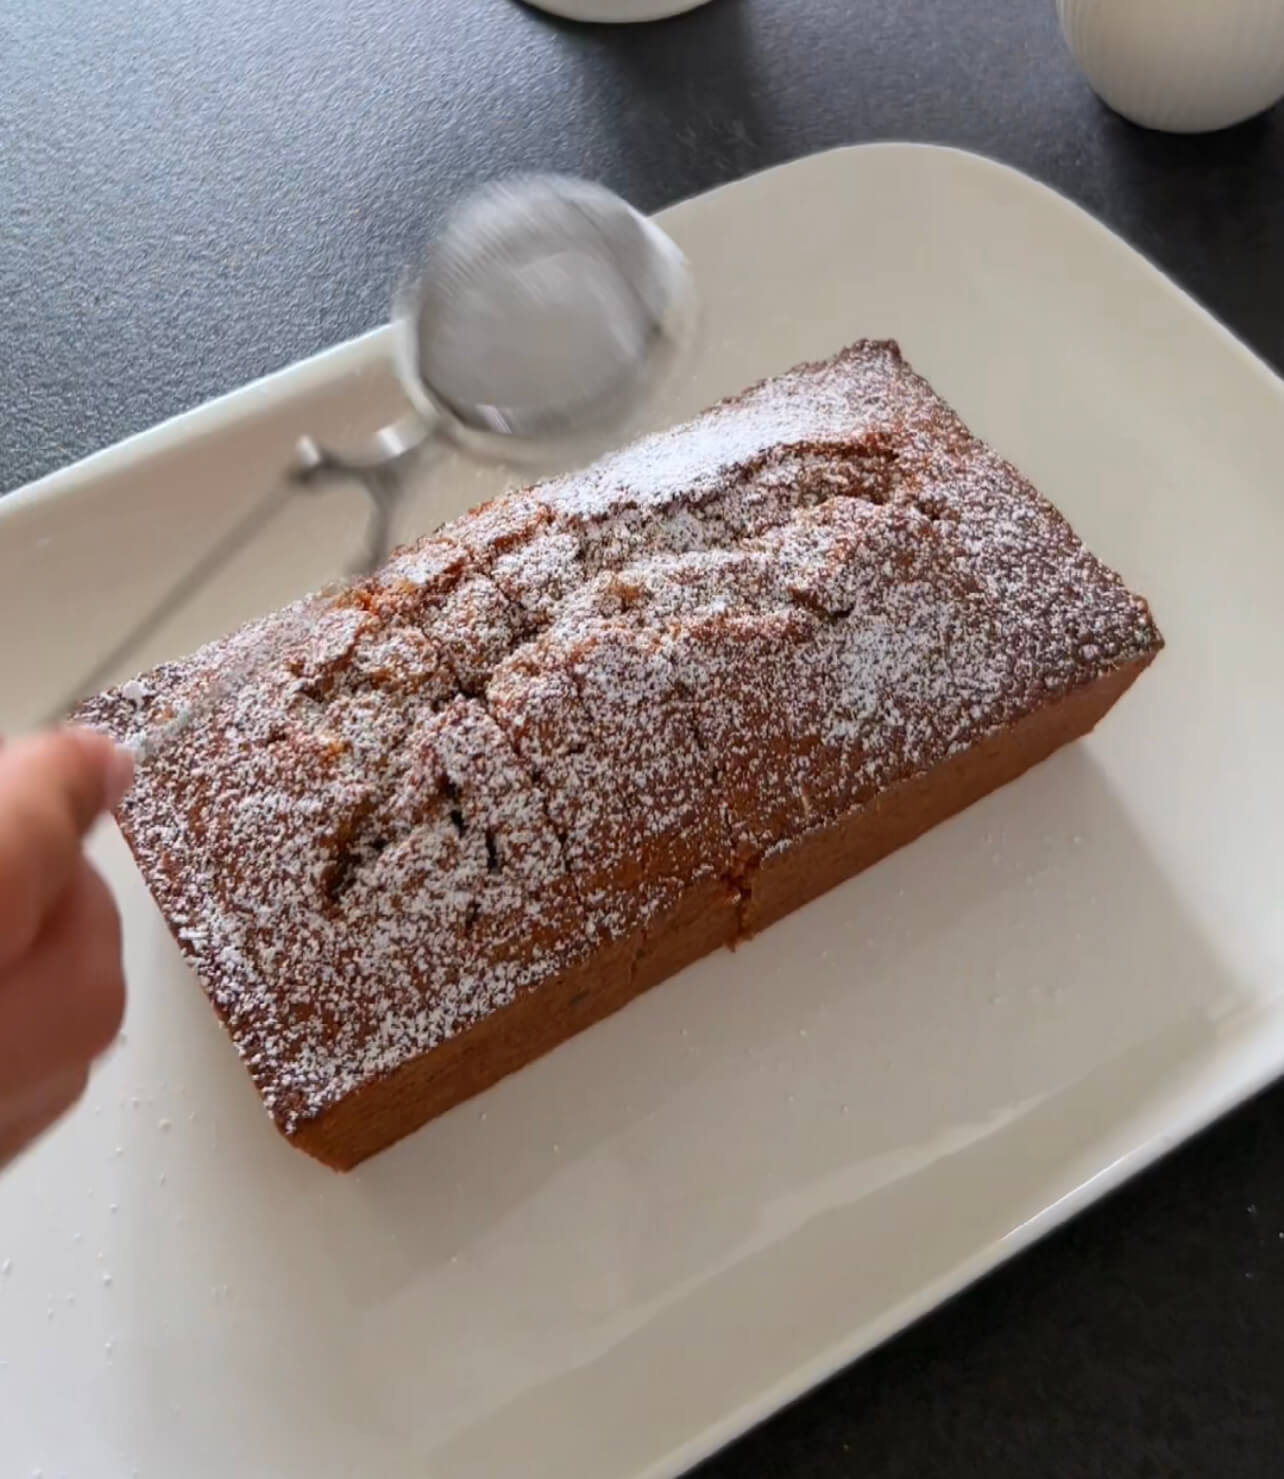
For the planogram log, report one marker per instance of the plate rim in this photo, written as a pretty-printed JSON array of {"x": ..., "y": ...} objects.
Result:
[{"x": 898, "y": 1318}]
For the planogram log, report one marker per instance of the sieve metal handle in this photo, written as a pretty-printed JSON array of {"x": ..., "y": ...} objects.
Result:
[
  {"x": 242, "y": 533},
  {"x": 378, "y": 466}
]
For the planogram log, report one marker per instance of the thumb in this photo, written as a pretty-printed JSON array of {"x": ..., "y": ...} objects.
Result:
[
  {"x": 85, "y": 768},
  {"x": 52, "y": 789}
]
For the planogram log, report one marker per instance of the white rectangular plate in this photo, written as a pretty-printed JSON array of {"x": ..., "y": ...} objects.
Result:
[{"x": 622, "y": 1257}]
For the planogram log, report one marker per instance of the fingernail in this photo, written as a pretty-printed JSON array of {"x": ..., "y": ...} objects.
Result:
[{"x": 120, "y": 776}]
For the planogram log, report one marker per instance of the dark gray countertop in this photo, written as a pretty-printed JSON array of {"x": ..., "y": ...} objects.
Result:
[{"x": 192, "y": 194}]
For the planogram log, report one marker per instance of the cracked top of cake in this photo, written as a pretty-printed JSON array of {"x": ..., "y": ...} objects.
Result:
[{"x": 529, "y": 733}]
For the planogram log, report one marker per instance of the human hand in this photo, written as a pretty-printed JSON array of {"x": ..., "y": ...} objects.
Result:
[{"x": 62, "y": 988}]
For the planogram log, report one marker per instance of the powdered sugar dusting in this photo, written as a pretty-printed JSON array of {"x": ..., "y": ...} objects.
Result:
[
  {"x": 537, "y": 731},
  {"x": 838, "y": 404}
]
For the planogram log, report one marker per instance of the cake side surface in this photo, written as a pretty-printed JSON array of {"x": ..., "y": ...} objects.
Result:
[{"x": 589, "y": 732}]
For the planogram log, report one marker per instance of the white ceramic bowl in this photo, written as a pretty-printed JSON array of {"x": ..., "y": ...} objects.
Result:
[
  {"x": 1186, "y": 66},
  {"x": 616, "y": 12}
]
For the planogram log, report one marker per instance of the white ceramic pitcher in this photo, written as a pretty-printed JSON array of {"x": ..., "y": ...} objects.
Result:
[{"x": 1186, "y": 66}]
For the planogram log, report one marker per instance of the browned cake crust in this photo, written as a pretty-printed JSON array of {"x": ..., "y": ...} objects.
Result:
[{"x": 590, "y": 732}]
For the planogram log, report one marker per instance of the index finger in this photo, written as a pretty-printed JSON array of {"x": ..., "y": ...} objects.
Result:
[{"x": 52, "y": 788}]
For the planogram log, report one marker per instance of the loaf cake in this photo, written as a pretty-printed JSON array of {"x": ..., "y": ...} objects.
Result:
[{"x": 589, "y": 732}]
